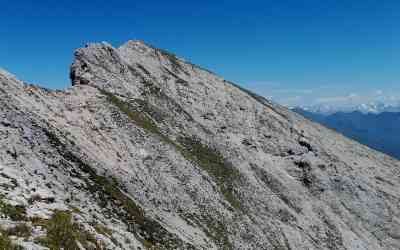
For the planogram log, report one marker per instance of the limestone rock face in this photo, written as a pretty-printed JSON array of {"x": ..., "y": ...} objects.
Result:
[{"x": 148, "y": 151}]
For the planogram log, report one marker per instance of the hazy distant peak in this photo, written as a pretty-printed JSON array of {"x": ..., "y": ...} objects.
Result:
[{"x": 371, "y": 107}]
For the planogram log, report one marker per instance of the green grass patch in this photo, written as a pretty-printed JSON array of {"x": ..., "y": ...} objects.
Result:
[
  {"x": 214, "y": 229},
  {"x": 15, "y": 213},
  {"x": 139, "y": 118},
  {"x": 103, "y": 230},
  {"x": 6, "y": 243},
  {"x": 62, "y": 233},
  {"x": 212, "y": 161},
  {"x": 109, "y": 191},
  {"x": 149, "y": 231},
  {"x": 155, "y": 113},
  {"x": 218, "y": 232},
  {"x": 21, "y": 230}
]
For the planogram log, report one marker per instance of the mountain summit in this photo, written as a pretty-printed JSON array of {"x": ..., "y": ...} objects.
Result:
[{"x": 148, "y": 151}]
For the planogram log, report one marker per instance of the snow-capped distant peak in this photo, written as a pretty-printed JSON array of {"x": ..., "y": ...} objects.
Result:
[{"x": 372, "y": 107}]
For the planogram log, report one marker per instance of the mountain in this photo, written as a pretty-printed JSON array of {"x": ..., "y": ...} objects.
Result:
[
  {"x": 378, "y": 131},
  {"x": 365, "y": 108},
  {"x": 148, "y": 151}
]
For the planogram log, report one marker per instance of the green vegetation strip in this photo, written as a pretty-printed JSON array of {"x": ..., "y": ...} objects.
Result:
[
  {"x": 210, "y": 160},
  {"x": 207, "y": 158},
  {"x": 109, "y": 191},
  {"x": 214, "y": 229}
]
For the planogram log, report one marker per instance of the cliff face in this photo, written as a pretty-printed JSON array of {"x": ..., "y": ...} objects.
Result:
[{"x": 146, "y": 150}]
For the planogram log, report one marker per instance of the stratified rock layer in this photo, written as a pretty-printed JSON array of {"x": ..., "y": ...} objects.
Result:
[{"x": 148, "y": 151}]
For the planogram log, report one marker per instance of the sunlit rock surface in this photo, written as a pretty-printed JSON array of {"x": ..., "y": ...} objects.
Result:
[{"x": 148, "y": 151}]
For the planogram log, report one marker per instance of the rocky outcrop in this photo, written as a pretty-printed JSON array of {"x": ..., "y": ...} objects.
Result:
[{"x": 148, "y": 151}]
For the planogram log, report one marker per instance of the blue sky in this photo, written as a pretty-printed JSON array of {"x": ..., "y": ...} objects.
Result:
[{"x": 297, "y": 52}]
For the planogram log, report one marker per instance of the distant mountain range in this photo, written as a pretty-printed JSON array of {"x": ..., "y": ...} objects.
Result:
[
  {"x": 365, "y": 108},
  {"x": 378, "y": 130}
]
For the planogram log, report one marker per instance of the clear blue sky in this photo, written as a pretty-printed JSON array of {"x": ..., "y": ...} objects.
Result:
[{"x": 292, "y": 50}]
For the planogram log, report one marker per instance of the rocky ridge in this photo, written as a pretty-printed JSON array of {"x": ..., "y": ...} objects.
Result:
[{"x": 148, "y": 151}]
